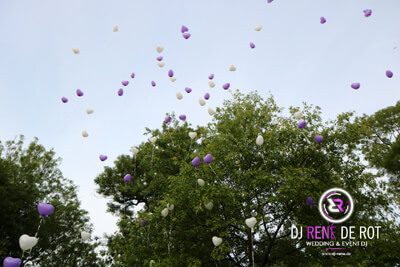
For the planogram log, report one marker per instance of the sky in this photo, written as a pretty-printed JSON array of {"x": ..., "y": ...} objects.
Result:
[{"x": 296, "y": 59}]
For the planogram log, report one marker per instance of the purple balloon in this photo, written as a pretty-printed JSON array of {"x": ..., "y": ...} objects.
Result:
[
  {"x": 184, "y": 29},
  {"x": 310, "y": 202},
  {"x": 302, "y": 124},
  {"x": 11, "y": 262},
  {"x": 143, "y": 222},
  {"x": 211, "y": 76},
  {"x": 171, "y": 73},
  {"x": 367, "y": 12},
  {"x": 318, "y": 139},
  {"x": 207, "y": 159},
  {"x": 45, "y": 209},
  {"x": 160, "y": 58},
  {"x": 133, "y": 75},
  {"x": 125, "y": 83},
  {"x": 79, "y": 92},
  {"x": 167, "y": 119},
  {"x": 269, "y": 1},
  {"x": 389, "y": 74},
  {"x": 127, "y": 178},
  {"x": 355, "y": 85},
  {"x": 120, "y": 92},
  {"x": 64, "y": 99},
  {"x": 153, "y": 83},
  {"x": 196, "y": 162},
  {"x": 226, "y": 86},
  {"x": 322, "y": 20},
  {"x": 207, "y": 96},
  {"x": 188, "y": 90},
  {"x": 186, "y": 35},
  {"x": 182, "y": 117},
  {"x": 252, "y": 45},
  {"x": 103, "y": 157}
]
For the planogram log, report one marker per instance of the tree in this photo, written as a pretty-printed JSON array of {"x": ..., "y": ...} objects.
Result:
[
  {"x": 270, "y": 182},
  {"x": 29, "y": 176}
]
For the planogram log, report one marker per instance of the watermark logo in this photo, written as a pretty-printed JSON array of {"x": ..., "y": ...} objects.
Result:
[{"x": 336, "y": 205}]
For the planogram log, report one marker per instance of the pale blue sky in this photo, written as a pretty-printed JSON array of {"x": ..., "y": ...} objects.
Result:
[{"x": 296, "y": 59}]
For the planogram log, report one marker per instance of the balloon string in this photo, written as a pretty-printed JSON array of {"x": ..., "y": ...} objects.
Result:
[
  {"x": 152, "y": 153},
  {"x": 213, "y": 170},
  {"x": 171, "y": 138},
  {"x": 252, "y": 247},
  {"x": 134, "y": 168},
  {"x": 195, "y": 175},
  {"x": 37, "y": 231},
  {"x": 125, "y": 202},
  {"x": 191, "y": 140}
]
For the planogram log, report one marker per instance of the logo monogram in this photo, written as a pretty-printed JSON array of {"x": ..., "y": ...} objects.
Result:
[{"x": 336, "y": 205}]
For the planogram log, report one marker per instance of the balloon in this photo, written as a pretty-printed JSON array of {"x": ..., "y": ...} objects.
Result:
[
  {"x": 85, "y": 235},
  {"x": 79, "y": 92},
  {"x": 355, "y": 85},
  {"x": 302, "y": 124},
  {"x": 232, "y": 67},
  {"x": 200, "y": 182},
  {"x": 125, "y": 83},
  {"x": 160, "y": 58},
  {"x": 127, "y": 178},
  {"x": 170, "y": 206},
  {"x": 310, "y": 202},
  {"x": 209, "y": 205},
  {"x": 153, "y": 83},
  {"x": 207, "y": 96},
  {"x": 182, "y": 117},
  {"x": 211, "y": 84},
  {"x": 318, "y": 138},
  {"x": 269, "y": 1},
  {"x": 186, "y": 35},
  {"x": 64, "y": 99},
  {"x": 216, "y": 241},
  {"x": 153, "y": 139},
  {"x": 211, "y": 111},
  {"x": 260, "y": 140},
  {"x": 45, "y": 209},
  {"x": 298, "y": 115},
  {"x": 367, "y": 12},
  {"x": 252, "y": 45},
  {"x": 167, "y": 119},
  {"x": 322, "y": 20},
  {"x": 184, "y": 29},
  {"x": 11, "y": 262},
  {"x": 207, "y": 159},
  {"x": 143, "y": 222},
  {"x": 89, "y": 111},
  {"x": 159, "y": 49},
  {"x": 201, "y": 102},
  {"x": 103, "y": 157},
  {"x": 134, "y": 150},
  {"x": 160, "y": 64},
  {"x": 389, "y": 74},
  {"x": 258, "y": 28},
  {"x": 75, "y": 50},
  {"x": 115, "y": 29},
  {"x": 85, "y": 134},
  {"x": 211, "y": 76},
  {"x": 170, "y": 73},
  {"x": 164, "y": 212},
  {"x": 192, "y": 135},
  {"x": 172, "y": 79},
  {"x": 195, "y": 162},
  {"x": 179, "y": 95},
  {"x": 120, "y": 92},
  {"x": 226, "y": 86},
  {"x": 132, "y": 75},
  {"x": 395, "y": 47},
  {"x": 188, "y": 90},
  {"x": 27, "y": 242},
  {"x": 250, "y": 222}
]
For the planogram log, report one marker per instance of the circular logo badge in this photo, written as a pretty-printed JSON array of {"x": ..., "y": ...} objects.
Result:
[{"x": 336, "y": 205}]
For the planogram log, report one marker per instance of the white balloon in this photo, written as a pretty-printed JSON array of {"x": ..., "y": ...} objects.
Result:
[
  {"x": 211, "y": 84},
  {"x": 179, "y": 95},
  {"x": 216, "y": 241},
  {"x": 153, "y": 139},
  {"x": 298, "y": 115},
  {"x": 260, "y": 140},
  {"x": 115, "y": 29},
  {"x": 250, "y": 222},
  {"x": 202, "y": 102},
  {"x": 89, "y": 111},
  {"x": 85, "y": 134},
  {"x": 75, "y": 50},
  {"x": 85, "y": 235},
  {"x": 258, "y": 28},
  {"x": 170, "y": 206},
  {"x": 27, "y": 242},
  {"x": 164, "y": 212},
  {"x": 394, "y": 47},
  {"x": 211, "y": 111},
  {"x": 232, "y": 67},
  {"x": 160, "y": 64},
  {"x": 152, "y": 262},
  {"x": 134, "y": 150},
  {"x": 192, "y": 135},
  {"x": 200, "y": 182},
  {"x": 209, "y": 205},
  {"x": 172, "y": 79},
  {"x": 159, "y": 49}
]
